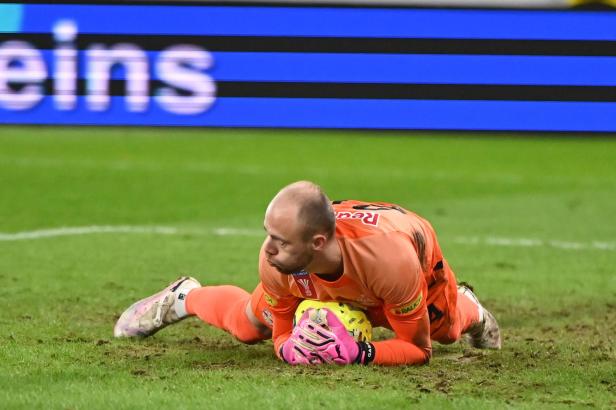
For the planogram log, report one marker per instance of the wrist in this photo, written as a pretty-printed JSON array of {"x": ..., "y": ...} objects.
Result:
[
  {"x": 281, "y": 355},
  {"x": 366, "y": 353}
]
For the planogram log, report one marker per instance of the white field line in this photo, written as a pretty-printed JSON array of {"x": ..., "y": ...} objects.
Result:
[
  {"x": 132, "y": 165},
  {"x": 532, "y": 242},
  {"x": 228, "y": 231},
  {"x": 238, "y": 232},
  {"x": 86, "y": 230},
  {"x": 123, "y": 229},
  {"x": 260, "y": 170},
  {"x": 218, "y": 168}
]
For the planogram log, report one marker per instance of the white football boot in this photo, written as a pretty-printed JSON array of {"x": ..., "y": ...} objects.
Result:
[
  {"x": 149, "y": 315},
  {"x": 485, "y": 334}
]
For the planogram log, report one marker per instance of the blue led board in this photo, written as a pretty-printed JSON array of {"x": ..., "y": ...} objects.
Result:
[{"x": 309, "y": 67}]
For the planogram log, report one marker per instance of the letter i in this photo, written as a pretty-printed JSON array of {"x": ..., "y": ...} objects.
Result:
[{"x": 65, "y": 72}]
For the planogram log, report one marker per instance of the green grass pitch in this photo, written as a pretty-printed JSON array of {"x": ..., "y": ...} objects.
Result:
[{"x": 529, "y": 220}]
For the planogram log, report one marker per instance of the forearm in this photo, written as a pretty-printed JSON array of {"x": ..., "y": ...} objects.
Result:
[
  {"x": 283, "y": 326},
  {"x": 411, "y": 345},
  {"x": 399, "y": 352},
  {"x": 282, "y": 309}
]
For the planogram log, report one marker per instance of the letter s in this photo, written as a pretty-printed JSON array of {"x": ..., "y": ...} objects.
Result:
[{"x": 180, "y": 66}]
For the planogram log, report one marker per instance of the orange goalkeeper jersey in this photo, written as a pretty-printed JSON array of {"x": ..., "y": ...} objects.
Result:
[{"x": 390, "y": 257}]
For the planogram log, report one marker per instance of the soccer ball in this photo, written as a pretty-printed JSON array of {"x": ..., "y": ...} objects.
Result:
[{"x": 354, "y": 319}]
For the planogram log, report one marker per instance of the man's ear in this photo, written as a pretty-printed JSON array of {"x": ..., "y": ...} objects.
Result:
[{"x": 318, "y": 242}]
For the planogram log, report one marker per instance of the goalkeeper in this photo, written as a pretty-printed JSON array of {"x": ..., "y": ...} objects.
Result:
[{"x": 373, "y": 255}]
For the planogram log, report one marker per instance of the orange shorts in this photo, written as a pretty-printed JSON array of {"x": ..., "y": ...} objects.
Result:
[{"x": 445, "y": 326}]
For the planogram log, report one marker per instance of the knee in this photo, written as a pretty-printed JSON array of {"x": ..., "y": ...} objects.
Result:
[
  {"x": 247, "y": 339},
  {"x": 252, "y": 335},
  {"x": 448, "y": 335},
  {"x": 247, "y": 328},
  {"x": 447, "y": 339}
]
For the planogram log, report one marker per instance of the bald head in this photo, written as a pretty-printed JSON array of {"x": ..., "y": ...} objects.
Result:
[{"x": 306, "y": 203}]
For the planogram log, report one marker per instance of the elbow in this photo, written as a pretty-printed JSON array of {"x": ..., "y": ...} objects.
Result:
[{"x": 421, "y": 357}]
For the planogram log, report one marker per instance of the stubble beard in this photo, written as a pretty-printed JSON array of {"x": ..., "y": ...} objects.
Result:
[{"x": 285, "y": 270}]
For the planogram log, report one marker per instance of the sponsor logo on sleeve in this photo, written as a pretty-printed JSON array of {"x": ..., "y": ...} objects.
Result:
[
  {"x": 270, "y": 300},
  {"x": 304, "y": 284},
  {"x": 268, "y": 317},
  {"x": 408, "y": 308}
]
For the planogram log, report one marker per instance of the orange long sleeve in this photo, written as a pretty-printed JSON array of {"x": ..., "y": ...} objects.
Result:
[
  {"x": 396, "y": 352},
  {"x": 412, "y": 344}
]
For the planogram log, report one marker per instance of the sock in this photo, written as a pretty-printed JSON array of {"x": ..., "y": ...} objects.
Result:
[
  {"x": 225, "y": 308},
  {"x": 470, "y": 311},
  {"x": 181, "y": 294}
]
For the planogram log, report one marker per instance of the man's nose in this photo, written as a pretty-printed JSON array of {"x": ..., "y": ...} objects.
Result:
[{"x": 270, "y": 249}]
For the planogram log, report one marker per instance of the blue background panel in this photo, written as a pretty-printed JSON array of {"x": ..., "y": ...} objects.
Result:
[
  {"x": 347, "y": 67},
  {"x": 331, "y": 113},
  {"x": 395, "y": 68},
  {"x": 320, "y": 21}
]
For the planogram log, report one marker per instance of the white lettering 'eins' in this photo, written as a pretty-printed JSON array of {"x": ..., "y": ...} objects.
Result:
[
  {"x": 101, "y": 61},
  {"x": 66, "y": 72},
  {"x": 181, "y": 67},
  {"x": 21, "y": 63},
  {"x": 23, "y": 72}
]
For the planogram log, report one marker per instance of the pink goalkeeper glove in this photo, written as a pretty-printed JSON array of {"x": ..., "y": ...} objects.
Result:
[
  {"x": 297, "y": 349},
  {"x": 320, "y": 337}
]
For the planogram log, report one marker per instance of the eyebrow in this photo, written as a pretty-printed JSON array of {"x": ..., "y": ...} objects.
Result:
[{"x": 276, "y": 237}]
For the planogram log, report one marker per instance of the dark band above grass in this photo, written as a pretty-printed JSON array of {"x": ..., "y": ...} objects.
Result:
[
  {"x": 378, "y": 91},
  {"x": 340, "y": 44}
]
